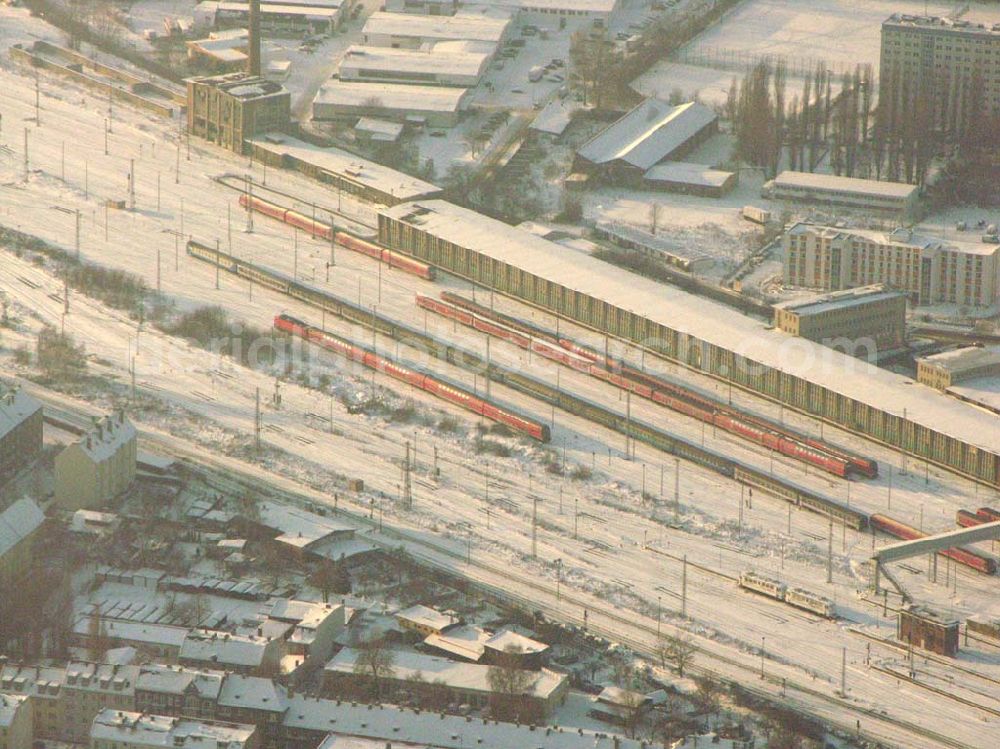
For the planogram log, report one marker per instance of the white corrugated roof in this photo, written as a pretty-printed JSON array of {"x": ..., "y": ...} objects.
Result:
[
  {"x": 389, "y": 60},
  {"x": 339, "y": 93},
  {"x": 809, "y": 180},
  {"x": 648, "y": 134},
  {"x": 705, "y": 319},
  {"x": 688, "y": 174},
  {"x": 17, "y": 522}
]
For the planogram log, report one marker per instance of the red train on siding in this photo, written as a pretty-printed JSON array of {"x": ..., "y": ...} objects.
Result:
[
  {"x": 988, "y": 514},
  {"x": 320, "y": 229},
  {"x": 968, "y": 557},
  {"x": 646, "y": 386},
  {"x": 968, "y": 519},
  {"x": 436, "y": 386}
]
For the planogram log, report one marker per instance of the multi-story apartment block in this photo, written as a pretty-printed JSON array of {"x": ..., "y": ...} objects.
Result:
[
  {"x": 16, "y": 730},
  {"x": 930, "y": 270},
  {"x": 20, "y": 430},
  {"x": 175, "y": 690},
  {"x": 98, "y": 466},
  {"x": 949, "y": 59},
  {"x": 91, "y": 687}
]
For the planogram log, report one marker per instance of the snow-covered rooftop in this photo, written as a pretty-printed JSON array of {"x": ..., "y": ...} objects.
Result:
[
  {"x": 648, "y": 133},
  {"x": 223, "y": 648},
  {"x": 703, "y": 318},
  {"x": 141, "y": 632},
  {"x": 459, "y": 26},
  {"x": 839, "y": 299},
  {"x": 337, "y": 161},
  {"x": 107, "y": 437},
  {"x": 143, "y": 729},
  {"x": 428, "y": 728},
  {"x": 902, "y": 237},
  {"x": 464, "y": 641},
  {"x": 456, "y": 674},
  {"x": 508, "y": 640},
  {"x": 946, "y": 23},
  {"x": 18, "y": 522},
  {"x": 425, "y": 616},
  {"x": 340, "y": 93},
  {"x": 10, "y": 704},
  {"x": 853, "y": 185},
  {"x": 178, "y": 680},
  {"x": 252, "y": 693},
  {"x": 964, "y": 359},
  {"x": 687, "y": 173},
  {"x": 438, "y": 61},
  {"x": 15, "y": 406}
]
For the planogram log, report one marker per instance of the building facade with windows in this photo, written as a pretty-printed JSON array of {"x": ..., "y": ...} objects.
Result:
[
  {"x": 97, "y": 467},
  {"x": 233, "y": 108},
  {"x": 953, "y": 60},
  {"x": 930, "y": 270},
  {"x": 844, "y": 318}
]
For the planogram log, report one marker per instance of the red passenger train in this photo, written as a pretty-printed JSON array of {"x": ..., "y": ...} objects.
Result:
[
  {"x": 320, "y": 229},
  {"x": 434, "y": 385},
  {"x": 671, "y": 395},
  {"x": 968, "y": 557}
]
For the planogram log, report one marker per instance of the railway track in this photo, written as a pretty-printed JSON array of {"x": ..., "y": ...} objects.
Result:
[{"x": 523, "y": 383}]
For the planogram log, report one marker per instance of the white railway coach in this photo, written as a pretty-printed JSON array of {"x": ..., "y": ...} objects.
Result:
[{"x": 760, "y": 584}]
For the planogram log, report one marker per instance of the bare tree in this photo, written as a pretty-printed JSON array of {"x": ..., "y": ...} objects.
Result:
[
  {"x": 375, "y": 661},
  {"x": 677, "y": 650},
  {"x": 510, "y": 684}
]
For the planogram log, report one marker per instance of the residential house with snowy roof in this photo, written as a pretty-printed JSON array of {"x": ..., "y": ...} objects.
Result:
[
  {"x": 119, "y": 729},
  {"x": 97, "y": 467}
]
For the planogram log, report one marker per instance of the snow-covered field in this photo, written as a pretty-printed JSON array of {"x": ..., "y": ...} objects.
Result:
[
  {"x": 602, "y": 529},
  {"x": 837, "y": 33}
]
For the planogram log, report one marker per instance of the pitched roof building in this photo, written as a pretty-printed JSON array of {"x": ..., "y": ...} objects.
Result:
[
  {"x": 20, "y": 430},
  {"x": 98, "y": 466},
  {"x": 19, "y": 527}
]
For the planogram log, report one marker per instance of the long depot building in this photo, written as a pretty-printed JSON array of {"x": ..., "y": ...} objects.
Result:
[{"x": 699, "y": 333}]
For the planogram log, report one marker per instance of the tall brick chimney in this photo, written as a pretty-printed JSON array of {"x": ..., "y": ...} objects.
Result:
[{"x": 253, "y": 62}]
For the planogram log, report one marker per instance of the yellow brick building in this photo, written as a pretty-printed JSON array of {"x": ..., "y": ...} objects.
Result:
[{"x": 98, "y": 466}]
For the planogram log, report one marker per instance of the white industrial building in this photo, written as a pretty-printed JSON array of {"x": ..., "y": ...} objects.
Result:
[
  {"x": 438, "y": 66},
  {"x": 437, "y": 106},
  {"x": 404, "y": 30}
]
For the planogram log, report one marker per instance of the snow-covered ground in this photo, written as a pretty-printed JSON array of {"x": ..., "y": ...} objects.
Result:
[{"x": 611, "y": 541}]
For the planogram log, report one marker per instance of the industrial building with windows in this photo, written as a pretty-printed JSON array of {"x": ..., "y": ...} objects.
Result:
[
  {"x": 931, "y": 270},
  {"x": 230, "y": 109},
  {"x": 891, "y": 198},
  {"x": 698, "y": 333},
  {"x": 948, "y": 57},
  {"x": 949, "y": 368},
  {"x": 865, "y": 321}
]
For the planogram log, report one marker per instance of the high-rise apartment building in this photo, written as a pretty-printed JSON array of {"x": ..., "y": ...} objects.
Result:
[
  {"x": 931, "y": 270},
  {"x": 952, "y": 60}
]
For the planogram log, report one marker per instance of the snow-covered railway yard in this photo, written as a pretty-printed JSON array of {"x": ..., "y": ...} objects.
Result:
[{"x": 618, "y": 550}]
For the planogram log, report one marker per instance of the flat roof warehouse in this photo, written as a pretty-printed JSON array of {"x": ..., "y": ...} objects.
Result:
[{"x": 702, "y": 319}]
